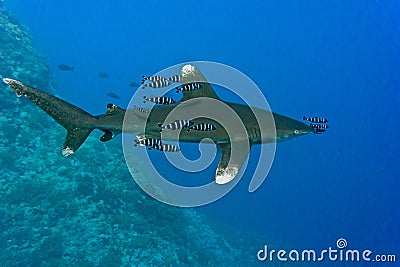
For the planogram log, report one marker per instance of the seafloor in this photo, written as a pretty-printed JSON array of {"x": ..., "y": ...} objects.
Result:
[{"x": 85, "y": 210}]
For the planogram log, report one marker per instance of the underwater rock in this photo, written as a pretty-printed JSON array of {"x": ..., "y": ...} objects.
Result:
[
  {"x": 19, "y": 58},
  {"x": 62, "y": 171}
]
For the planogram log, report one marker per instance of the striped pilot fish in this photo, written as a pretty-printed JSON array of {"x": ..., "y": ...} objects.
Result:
[
  {"x": 318, "y": 126},
  {"x": 162, "y": 100},
  {"x": 175, "y": 78},
  {"x": 176, "y": 125},
  {"x": 167, "y": 148},
  {"x": 188, "y": 87},
  {"x": 149, "y": 142},
  {"x": 140, "y": 109},
  {"x": 152, "y": 78},
  {"x": 157, "y": 84},
  {"x": 319, "y": 131},
  {"x": 204, "y": 127},
  {"x": 315, "y": 119},
  {"x": 153, "y": 143}
]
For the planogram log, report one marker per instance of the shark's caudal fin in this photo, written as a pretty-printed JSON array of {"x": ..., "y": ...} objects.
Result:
[{"x": 76, "y": 121}]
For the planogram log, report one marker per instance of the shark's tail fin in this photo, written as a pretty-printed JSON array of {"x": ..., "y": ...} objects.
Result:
[{"x": 78, "y": 123}]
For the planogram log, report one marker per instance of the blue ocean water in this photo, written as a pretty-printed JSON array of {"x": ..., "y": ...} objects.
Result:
[{"x": 338, "y": 59}]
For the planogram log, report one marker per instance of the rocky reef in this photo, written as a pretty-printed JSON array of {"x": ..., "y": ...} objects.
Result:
[
  {"x": 18, "y": 55},
  {"x": 85, "y": 210}
]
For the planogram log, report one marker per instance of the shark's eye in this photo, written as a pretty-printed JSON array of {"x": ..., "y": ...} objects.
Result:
[{"x": 296, "y": 131}]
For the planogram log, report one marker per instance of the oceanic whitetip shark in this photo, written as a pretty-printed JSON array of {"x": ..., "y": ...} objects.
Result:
[{"x": 79, "y": 124}]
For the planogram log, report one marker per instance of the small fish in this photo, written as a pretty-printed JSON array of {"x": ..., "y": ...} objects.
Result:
[
  {"x": 152, "y": 78},
  {"x": 319, "y": 131},
  {"x": 163, "y": 100},
  {"x": 189, "y": 87},
  {"x": 157, "y": 84},
  {"x": 65, "y": 67},
  {"x": 204, "y": 127},
  {"x": 149, "y": 142},
  {"x": 167, "y": 148},
  {"x": 315, "y": 119},
  {"x": 113, "y": 95},
  {"x": 133, "y": 84},
  {"x": 175, "y": 78},
  {"x": 140, "y": 109},
  {"x": 318, "y": 126},
  {"x": 103, "y": 74},
  {"x": 178, "y": 124}
]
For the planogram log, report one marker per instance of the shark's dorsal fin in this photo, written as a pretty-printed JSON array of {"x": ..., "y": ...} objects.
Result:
[
  {"x": 191, "y": 74},
  {"x": 229, "y": 165}
]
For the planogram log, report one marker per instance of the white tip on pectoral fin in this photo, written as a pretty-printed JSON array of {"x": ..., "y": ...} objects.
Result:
[
  {"x": 230, "y": 164},
  {"x": 224, "y": 176}
]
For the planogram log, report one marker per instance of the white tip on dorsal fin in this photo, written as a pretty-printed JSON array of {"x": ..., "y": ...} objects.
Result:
[{"x": 190, "y": 74}]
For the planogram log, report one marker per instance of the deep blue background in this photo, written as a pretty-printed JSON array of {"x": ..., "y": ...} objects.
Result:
[{"x": 336, "y": 59}]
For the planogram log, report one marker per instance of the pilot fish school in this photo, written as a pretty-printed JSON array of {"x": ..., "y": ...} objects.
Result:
[
  {"x": 156, "y": 81},
  {"x": 160, "y": 82}
]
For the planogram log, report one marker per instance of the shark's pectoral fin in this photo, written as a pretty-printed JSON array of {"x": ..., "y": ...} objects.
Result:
[
  {"x": 230, "y": 163},
  {"x": 75, "y": 138}
]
